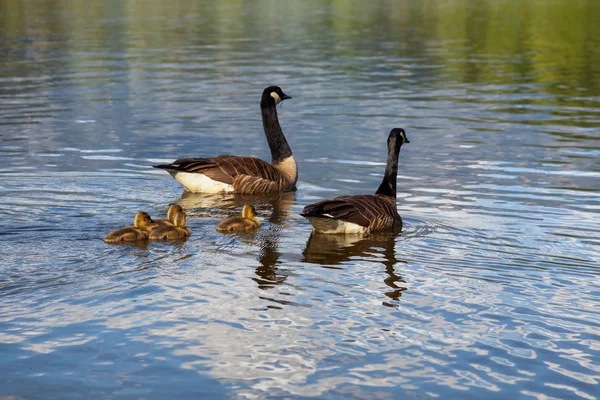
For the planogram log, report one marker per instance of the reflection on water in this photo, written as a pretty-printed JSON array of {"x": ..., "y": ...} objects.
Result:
[
  {"x": 268, "y": 259},
  {"x": 490, "y": 291},
  {"x": 335, "y": 250},
  {"x": 273, "y": 208},
  {"x": 274, "y": 212}
]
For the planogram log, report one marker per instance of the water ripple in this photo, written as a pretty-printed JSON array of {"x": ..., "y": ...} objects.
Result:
[{"x": 490, "y": 291}]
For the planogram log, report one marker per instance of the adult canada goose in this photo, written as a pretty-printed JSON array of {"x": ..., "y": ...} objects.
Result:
[
  {"x": 170, "y": 221},
  {"x": 247, "y": 175},
  {"x": 246, "y": 222},
  {"x": 363, "y": 213},
  {"x": 139, "y": 230},
  {"x": 171, "y": 232}
]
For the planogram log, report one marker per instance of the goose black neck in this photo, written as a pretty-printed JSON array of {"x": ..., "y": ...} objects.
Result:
[
  {"x": 280, "y": 149},
  {"x": 388, "y": 184}
]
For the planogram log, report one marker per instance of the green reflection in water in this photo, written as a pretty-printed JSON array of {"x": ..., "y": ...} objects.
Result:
[{"x": 553, "y": 44}]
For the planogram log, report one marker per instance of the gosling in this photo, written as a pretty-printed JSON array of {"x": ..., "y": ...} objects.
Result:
[
  {"x": 172, "y": 232},
  {"x": 170, "y": 221},
  {"x": 246, "y": 222},
  {"x": 139, "y": 230}
]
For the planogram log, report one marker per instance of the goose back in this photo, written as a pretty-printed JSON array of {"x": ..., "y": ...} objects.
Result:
[
  {"x": 369, "y": 212},
  {"x": 245, "y": 175}
]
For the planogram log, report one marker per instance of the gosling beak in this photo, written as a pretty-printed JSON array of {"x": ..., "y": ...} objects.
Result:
[{"x": 285, "y": 96}]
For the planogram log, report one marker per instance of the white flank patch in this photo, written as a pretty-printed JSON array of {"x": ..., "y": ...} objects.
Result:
[
  {"x": 335, "y": 226},
  {"x": 198, "y": 183}
]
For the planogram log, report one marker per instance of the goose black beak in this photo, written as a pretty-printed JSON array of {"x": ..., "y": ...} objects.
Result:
[
  {"x": 285, "y": 97},
  {"x": 407, "y": 141}
]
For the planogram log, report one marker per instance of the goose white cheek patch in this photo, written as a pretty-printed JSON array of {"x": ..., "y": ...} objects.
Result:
[{"x": 276, "y": 97}]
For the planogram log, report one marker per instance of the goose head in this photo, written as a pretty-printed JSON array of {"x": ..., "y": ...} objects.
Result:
[
  {"x": 142, "y": 219},
  {"x": 173, "y": 210},
  {"x": 397, "y": 138},
  {"x": 272, "y": 96}
]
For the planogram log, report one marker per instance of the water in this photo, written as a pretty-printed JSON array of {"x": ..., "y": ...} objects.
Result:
[{"x": 491, "y": 291}]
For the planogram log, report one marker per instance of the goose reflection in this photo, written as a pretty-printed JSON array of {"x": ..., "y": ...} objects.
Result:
[
  {"x": 332, "y": 250},
  {"x": 223, "y": 205},
  {"x": 272, "y": 209}
]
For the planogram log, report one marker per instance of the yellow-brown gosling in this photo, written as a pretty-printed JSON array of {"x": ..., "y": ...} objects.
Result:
[
  {"x": 171, "y": 232},
  {"x": 246, "y": 222},
  {"x": 139, "y": 230},
  {"x": 170, "y": 221}
]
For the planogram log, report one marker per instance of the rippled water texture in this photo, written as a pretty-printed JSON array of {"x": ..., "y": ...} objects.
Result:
[{"x": 491, "y": 291}]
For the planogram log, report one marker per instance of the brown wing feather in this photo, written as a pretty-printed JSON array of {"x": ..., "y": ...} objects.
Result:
[
  {"x": 372, "y": 211},
  {"x": 247, "y": 184},
  {"x": 248, "y": 175}
]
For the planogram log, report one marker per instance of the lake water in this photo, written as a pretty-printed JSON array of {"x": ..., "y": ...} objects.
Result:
[{"x": 491, "y": 291}]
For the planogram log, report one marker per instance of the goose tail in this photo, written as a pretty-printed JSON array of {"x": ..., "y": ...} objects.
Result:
[
  {"x": 164, "y": 166},
  {"x": 314, "y": 210}
]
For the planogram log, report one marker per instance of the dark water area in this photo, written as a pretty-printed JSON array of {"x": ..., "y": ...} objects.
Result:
[{"x": 492, "y": 290}]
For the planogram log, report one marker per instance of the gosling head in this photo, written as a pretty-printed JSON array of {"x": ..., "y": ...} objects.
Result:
[
  {"x": 173, "y": 210},
  {"x": 141, "y": 219},
  {"x": 272, "y": 96},
  {"x": 248, "y": 212},
  {"x": 179, "y": 219}
]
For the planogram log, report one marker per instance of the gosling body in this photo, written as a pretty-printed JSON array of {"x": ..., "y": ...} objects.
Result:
[
  {"x": 246, "y": 222},
  {"x": 139, "y": 231},
  {"x": 170, "y": 221},
  {"x": 172, "y": 232}
]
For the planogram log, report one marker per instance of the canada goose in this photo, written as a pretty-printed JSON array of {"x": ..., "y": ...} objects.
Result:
[
  {"x": 246, "y": 175},
  {"x": 139, "y": 230},
  {"x": 246, "y": 222},
  {"x": 170, "y": 221},
  {"x": 363, "y": 213},
  {"x": 171, "y": 232}
]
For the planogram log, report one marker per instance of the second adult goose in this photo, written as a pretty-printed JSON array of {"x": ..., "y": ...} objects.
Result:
[
  {"x": 363, "y": 213},
  {"x": 246, "y": 175}
]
